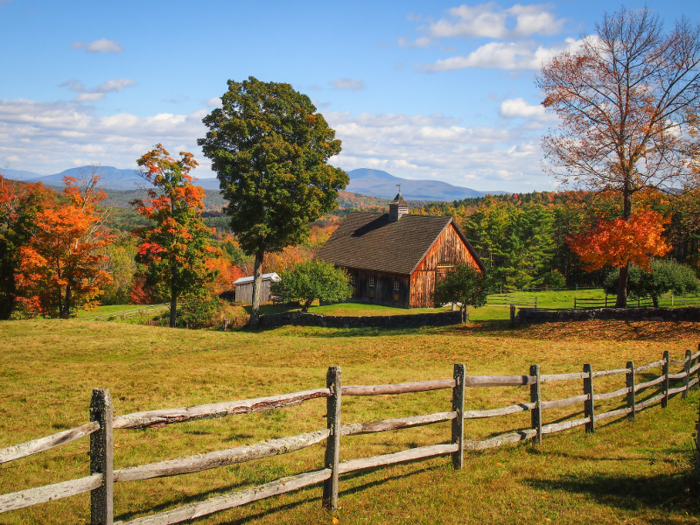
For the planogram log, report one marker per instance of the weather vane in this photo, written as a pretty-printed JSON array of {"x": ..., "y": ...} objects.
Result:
[{"x": 399, "y": 187}]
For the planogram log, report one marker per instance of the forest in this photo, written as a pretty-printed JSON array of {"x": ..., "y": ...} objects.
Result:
[{"x": 525, "y": 240}]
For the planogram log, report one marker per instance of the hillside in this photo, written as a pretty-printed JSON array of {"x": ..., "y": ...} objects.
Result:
[
  {"x": 373, "y": 183},
  {"x": 378, "y": 183}
]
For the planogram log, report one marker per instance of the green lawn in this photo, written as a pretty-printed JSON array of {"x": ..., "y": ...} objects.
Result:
[{"x": 626, "y": 472}]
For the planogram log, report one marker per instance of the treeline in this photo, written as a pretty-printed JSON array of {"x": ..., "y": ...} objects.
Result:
[
  {"x": 61, "y": 252},
  {"x": 524, "y": 239}
]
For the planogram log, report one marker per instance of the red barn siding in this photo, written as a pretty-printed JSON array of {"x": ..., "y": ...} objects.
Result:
[{"x": 448, "y": 251}]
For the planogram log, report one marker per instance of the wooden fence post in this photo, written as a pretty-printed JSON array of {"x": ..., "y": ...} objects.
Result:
[
  {"x": 686, "y": 368},
  {"x": 512, "y": 314},
  {"x": 588, "y": 405},
  {"x": 330, "y": 486},
  {"x": 458, "y": 422},
  {"x": 101, "y": 448},
  {"x": 631, "y": 397},
  {"x": 667, "y": 381},
  {"x": 536, "y": 397}
]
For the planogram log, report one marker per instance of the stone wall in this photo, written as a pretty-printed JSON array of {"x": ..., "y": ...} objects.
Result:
[
  {"x": 532, "y": 315},
  {"x": 346, "y": 321}
]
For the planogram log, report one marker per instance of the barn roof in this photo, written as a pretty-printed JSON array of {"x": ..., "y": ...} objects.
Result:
[{"x": 370, "y": 241}]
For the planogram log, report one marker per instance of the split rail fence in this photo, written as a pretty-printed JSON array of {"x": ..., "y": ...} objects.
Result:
[
  {"x": 511, "y": 300},
  {"x": 102, "y": 423}
]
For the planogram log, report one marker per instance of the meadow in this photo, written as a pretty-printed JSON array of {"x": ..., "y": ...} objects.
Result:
[{"x": 634, "y": 472}]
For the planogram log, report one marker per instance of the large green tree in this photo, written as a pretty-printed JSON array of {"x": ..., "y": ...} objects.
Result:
[{"x": 269, "y": 148}]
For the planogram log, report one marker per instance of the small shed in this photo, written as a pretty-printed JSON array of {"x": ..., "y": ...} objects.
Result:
[{"x": 244, "y": 288}]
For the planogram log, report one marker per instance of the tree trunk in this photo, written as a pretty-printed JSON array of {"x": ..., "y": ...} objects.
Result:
[
  {"x": 173, "y": 295},
  {"x": 305, "y": 308},
  {"x": 65, "y": 311},
  {"x": 655, "y": 300},
  {"x": 621, "y": 301},
  {"x": 257, "y": 285},
  {"x": 465, "y": 313}
]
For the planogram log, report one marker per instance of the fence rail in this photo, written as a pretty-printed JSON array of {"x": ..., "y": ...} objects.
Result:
[
  {"x": 99, "y": 483},
  {"x": 128, "y": 313},
  {"x": 506, "y": 299},
  {"x": 582, "y": 303}
]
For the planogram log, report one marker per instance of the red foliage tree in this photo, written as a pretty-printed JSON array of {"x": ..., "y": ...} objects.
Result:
[
  {"x": 176, "y": 249},
  {"x": 19, "y": 205},
  {"x": 62, "y": 266},
  {"x": 621, "y": 242}
]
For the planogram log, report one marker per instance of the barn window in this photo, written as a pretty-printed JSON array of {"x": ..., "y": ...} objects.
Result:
[
  {"x": 396, "y": 286},
  {"x": 371, "y": 281}
]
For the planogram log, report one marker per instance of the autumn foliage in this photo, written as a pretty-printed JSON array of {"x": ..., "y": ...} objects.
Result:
[
  {"x": 619, "y": 242},
  {"x": 62, "y": 267},
  {"x": 19, "y": 205},
  {"x": 175, "y": 250}
]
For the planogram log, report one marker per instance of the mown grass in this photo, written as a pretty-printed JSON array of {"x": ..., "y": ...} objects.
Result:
[{"x": 636, "y": 472}]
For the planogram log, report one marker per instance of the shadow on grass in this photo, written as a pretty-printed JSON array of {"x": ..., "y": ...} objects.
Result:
[
  {"x": 346, "y": 492},
  {"x": 661, "y": 492},
  {"x": 313, "y": 494}
]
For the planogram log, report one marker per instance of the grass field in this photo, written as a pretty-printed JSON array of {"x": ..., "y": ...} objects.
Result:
[{"x": 625, "y": 473}]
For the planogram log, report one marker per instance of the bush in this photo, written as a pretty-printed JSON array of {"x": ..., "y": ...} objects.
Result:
[
  {"x": 313, "y": 280},
  {"x": 554, "y": 280},
  {"x": 464, "y": 285},
  {"x": 195, "y": 313},
  {"x": 665, "y": 276}
]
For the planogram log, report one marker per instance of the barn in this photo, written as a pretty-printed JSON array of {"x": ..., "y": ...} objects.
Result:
[
  {"x": 396, "y": 258},
  {"x": 244, "y": 288}
]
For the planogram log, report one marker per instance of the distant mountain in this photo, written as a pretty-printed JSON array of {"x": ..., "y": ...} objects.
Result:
[
  {"x": 378, "y": 183},
  {"x": 18, "y": 175},
  {"x": 373, "y": 183},
  {"x": 112, "y": 178}
]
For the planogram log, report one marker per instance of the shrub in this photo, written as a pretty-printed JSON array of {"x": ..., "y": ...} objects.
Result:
[
  {"x": 464, "y": 285},
  {"x": 665, "y": 276},
  {"x": 313, "y": 280}
]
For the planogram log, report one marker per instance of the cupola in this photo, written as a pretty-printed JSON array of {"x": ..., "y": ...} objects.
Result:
[{"x": 397, "y": 208}]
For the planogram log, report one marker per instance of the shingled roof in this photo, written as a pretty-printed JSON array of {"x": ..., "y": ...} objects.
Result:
[{"x": 370, "y": 241}]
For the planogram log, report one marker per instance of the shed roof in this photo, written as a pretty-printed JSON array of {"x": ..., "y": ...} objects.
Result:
[
  {"x": 370, "y": 241},
  {"x": 266, "y": 276}
]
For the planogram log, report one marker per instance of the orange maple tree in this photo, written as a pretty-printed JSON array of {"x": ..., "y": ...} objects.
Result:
[
  {"x": 620, "y": 242},
  {"x": 19, "y": 204},
  {"x": 175, "y": 250},
  {"x": 62, "y": 267}
]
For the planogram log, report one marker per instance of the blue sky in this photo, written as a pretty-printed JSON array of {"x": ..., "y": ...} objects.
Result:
[{"x": 422, "y": 89}]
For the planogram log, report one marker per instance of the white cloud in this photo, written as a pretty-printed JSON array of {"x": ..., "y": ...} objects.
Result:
[
  {"x": 99, "y": 46},
  {"x": 504, "y": 55},
  {"x": 49, "y": 137},
  {"x": 441, "y": 148},
  {"x": 213, "y": 102},
  {"x": 348, "y": 84},
  {"x": 97, "y": 93},
  {"x": 517, "y": 107},
  {"x": 489, "y": 21}
]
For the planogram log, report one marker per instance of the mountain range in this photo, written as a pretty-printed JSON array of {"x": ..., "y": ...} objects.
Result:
[{"x": 375, "y": 183}]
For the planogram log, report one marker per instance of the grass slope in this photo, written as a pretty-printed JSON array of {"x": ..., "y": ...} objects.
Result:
[{"x": 633, "y": 472}]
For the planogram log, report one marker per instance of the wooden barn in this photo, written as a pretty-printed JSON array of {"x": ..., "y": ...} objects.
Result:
[
  {"x": 396, "y": 258},
  {"x": 244, "y": 288}
]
